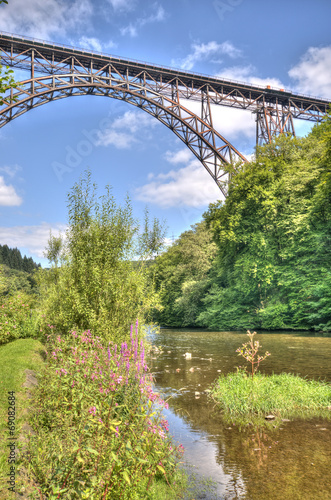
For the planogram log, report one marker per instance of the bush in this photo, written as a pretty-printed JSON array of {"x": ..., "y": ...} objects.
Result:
[
  {"x": 98, "y": 286},
  {"x": 17, "y": 317},
  {"x": 99, "y": 426}
]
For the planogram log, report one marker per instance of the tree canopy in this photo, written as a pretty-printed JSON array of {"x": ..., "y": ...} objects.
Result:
[{"x": 271, "y": 269}]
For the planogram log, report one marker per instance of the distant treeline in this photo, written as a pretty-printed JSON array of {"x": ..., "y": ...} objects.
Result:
[{"x": 12, "y": 258}]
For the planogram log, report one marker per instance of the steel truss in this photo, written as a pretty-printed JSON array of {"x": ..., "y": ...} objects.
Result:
[
  {"x": 158, "y": 91},
  {"x": 271, "y": 122}
]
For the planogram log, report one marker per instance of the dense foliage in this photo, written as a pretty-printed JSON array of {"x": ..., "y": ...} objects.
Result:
[
  {"x": 18, "y": 302},
  {"x": 17, "y": 319},
  {"x": 98, "y": 286},
  {"x": 273, "y": 233},
  {"x": 181, "y": 276}
]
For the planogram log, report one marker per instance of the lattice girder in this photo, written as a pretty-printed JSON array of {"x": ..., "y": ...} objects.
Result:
[{"x": 212, "y": 149}]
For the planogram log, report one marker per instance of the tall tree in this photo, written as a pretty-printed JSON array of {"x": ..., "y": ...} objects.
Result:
[
  {"x": 273, "y": 237},
  {"x": 182, "y": 276},
  {"x": 98, "y": 285}
]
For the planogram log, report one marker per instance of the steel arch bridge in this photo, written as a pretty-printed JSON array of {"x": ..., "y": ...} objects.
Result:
[{"x": 58, "y": 71}]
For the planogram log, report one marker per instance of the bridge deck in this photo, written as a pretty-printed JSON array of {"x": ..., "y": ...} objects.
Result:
[{"x": 13, "y": 45}]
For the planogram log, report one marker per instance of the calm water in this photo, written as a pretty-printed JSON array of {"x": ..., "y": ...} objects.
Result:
[{"x": 289, "y": 463}]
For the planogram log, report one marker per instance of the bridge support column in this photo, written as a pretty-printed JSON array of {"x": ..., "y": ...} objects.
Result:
[{"x": 272, "y": 121}]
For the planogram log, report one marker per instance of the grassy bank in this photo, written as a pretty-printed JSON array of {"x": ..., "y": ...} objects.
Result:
[
  {"x": 99, "y": 428},
  {"x": 242, "y": 397},
  {"x": 15, "y": 357}
]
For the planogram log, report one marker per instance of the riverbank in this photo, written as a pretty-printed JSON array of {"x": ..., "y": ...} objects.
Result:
[
  {"x": 70, "y": 438},
  {"x": 15, "y": 358}
]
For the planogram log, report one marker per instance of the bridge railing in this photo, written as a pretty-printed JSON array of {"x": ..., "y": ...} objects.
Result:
[{"x": 150, "y": 65}]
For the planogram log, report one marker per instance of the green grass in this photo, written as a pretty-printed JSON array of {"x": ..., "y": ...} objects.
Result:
[
  {"x": 286, "y": 396},
  {"x": 15, "y": 357}
]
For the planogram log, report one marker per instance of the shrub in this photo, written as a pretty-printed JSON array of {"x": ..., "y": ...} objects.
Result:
[
  {"x": 99, "y": 284},
  {"x": 17, "y": 317}
]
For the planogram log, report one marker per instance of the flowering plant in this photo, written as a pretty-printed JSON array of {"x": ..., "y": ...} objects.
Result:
[
  {"x": 100, "y": 432},
  {"x": 249, "y": 351}
]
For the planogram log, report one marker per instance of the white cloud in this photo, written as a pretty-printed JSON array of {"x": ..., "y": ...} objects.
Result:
[
  {"x": 122, "y": 4},
  {"x": 313, "y": 73},
  {"x": 8, "y": 195},
  {"x": 246, "y": 74},
  {"x": 133, "y": 121},
  {"x": 33, "y": 238},
  {"x": 181, "y": 156},
  {"x": 121, "y": 132},
  {"x": 93, "y": 44},
  {"x": 190, "y": 186},
  {"x": 10, "y": 170},
  {"x": 44, "y": 18},
  {"x": 129, "y": 30},
  {"x": 204, "y": 51},
  {"x": 120, "y": 140},
  {"x": 158, "y": 16}
]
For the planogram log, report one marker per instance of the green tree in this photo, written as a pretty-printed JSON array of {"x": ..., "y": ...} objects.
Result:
[
  {"x": 273, "y": 235},
  {"x": 6, "y": 82},
  {"x": 99, "y": 286},
  {"x": 181, "y": 275}
]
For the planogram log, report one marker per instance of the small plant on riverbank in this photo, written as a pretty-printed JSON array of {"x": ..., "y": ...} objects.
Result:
[
  {"x": 99, "y": 428},
  {"x": 250, "y": 350}
]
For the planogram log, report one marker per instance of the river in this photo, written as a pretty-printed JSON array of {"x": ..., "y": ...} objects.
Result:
[{"x": 292, "y": 462}]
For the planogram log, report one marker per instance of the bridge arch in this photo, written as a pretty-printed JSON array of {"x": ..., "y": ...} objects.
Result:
[{"x": 198, "y": 134}]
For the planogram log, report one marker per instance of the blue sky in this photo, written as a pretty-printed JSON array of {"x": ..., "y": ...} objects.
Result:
[{"x": 286, "y": 44}]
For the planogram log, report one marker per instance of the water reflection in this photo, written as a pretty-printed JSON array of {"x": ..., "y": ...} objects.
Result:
[{"x": 291, "y": 462}]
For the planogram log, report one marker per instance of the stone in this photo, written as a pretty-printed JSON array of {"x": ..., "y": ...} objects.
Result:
[
  {"x": 270, "y": 417},
  {"x": 31, "y": 380}
]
